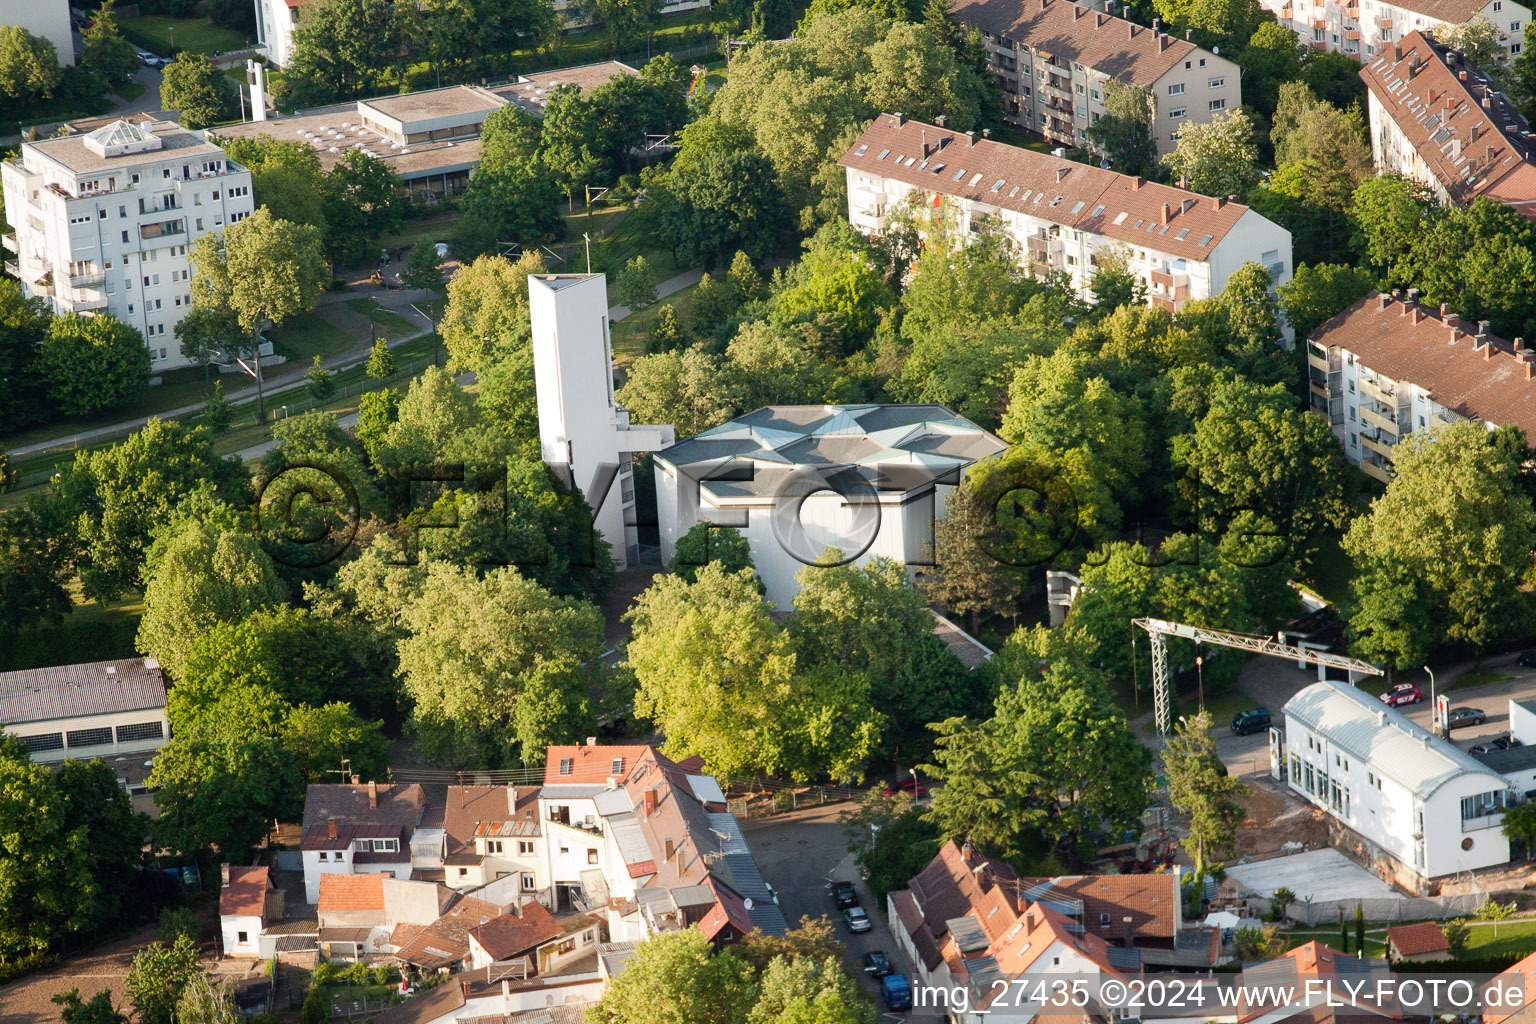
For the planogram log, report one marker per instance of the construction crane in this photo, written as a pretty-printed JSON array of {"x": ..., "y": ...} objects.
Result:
[{"x": 1158, "y": 631}]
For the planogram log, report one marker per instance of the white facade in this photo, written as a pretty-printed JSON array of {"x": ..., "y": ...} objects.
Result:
[
  {"x": 584, "y": 434},
  {"x": 47, "y": 19},
  {"x": 241, "y": 934},
  {"x": 1364, "y": 28},
  {"x": 1424, "y": 801},
  {"x": 275, "y": 22},
  {"x": 344, "y": 862},
  {"x": 103, "y": 223}
]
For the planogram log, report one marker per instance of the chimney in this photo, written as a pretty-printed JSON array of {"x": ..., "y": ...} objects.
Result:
[
  {"x": 373, "y": 795},
  {"x": 1099, "y": 19},
  {"x": 1519, "y": 345},
  {"x": 224, "y": 875},
  {"x": 1455, "y": 334},
  {"x": 1186, "y": 204},
  {"x": 1488, "y": 152},
  {"x": 1482, "y": 328},
  {"x": 1386, "y": 300},
  {"x": 650, "y": 802},
  {"x": 1130, "y": 30},
  {"x": 357, "y": 780},
  {"x": 1413, "y": 294},
  {"x": 901, "y": 118},
  {"x": 1166, "y": 208},
  {"x": 970, "y": 139},
  {"x": 941, "y": 120},
  {"x": 1044, "y": 4},
  {"x": 330, "y": 831},
  {"x": 1445, "y": 310},
  {"x": 1162, "y": 43},
  {"x": 986, "y": 133},
  {"x": 1397, "y": 52},
  {"x": 1157, "y": 25},
  {"x": 1417, "y": 315},
  {"x": 511, "y": 799},
  {"x": 1062, "y": 172},
  {"x": 670, "y": 849},
  {"x": 1189, "y": 35},
  {"x": 1407, "y": 306},
  {"x": 925, "y": 143},
  {"x": 967, "y": 851},
  {"x": 1216, "y": 202},
  {"x": 1136, "y": 183},
  {"x": 591, "y": 741}
]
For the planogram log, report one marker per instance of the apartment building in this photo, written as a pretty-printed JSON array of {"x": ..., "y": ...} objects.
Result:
[
  {"x": 1365, "y": 28},
  {"x": 429, "y": 139},
  {"x": 1443, "y": 122},
  {"x": 1063, "y": 214},
  {"x": 1388, "y": 366},
  {"x": 46, "y": 19},
  {"x": 103, "y": 222},
  {"x": 1053, "y": 58}
]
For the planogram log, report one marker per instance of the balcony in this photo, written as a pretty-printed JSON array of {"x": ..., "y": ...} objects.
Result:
[
  {"x": 1051, "y": 84},
  {"x": 1375, "y": 470},
  {"x": 1318, "y": 361},
  {"x": 1482, "y": 821},
  {"x": 1038, "y": 269},
  {"x": 163, "y": 229},
  {"x": 1319, "y": 388},
  {"x": 10, "y": 243},
  {"x": 1379, "y": 420},
  {"x": 12, "y": 269},
  {"x": 88, "y": 280},
  {"x": 1043, "y": 246},
  {"x": 871, "y": 218},
  {"x": 1381, "y": 444},
  {"x": 1352, "y": 34},
  {"x": 1386, "y": 394},
  {"x": 87, "y": 299}
]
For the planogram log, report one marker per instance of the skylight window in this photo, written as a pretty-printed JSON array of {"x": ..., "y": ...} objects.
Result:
[
  {"x": 861, "y": 150},
  {"x": 1077, "y": 207},
  {"x": 999, "y": 186},
  {"x": 1013, "y": 192},
  {"x": 923, "y": 165},
  {"x": 1120, "y": 218},
  {"x": 1138, "y": 224},
  {"x": 911, "y": 160},
  {"x": 883, "y": 154},
  {"x": 975, "y": 178},
  {"x": 1164, "y": 231},
  {"x": 1181, "y": 234},
  {"x": 1207, "y": 239},
  {"x": 937, "y": 168},
  {"x": 960, "y": 174}
]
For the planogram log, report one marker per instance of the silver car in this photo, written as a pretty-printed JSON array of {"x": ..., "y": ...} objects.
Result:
[{"x": 857, "y": 920}]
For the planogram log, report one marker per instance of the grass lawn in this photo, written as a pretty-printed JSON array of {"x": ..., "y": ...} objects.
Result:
[
  {"x": 630, "y": 333},
  {"x": 307, "y": 336},
  {"x": 162, "y": 35},
  {"x": 1222, "y": 707},
  {"x": 1513, "y": 937},
  {"x": 395, "y": 325},
  {"x": 129, "y": 91},
  {"x": 434, "y": 230},
  {"x": 1375, "y": 945},
  {"x": 177, "y": 388}
]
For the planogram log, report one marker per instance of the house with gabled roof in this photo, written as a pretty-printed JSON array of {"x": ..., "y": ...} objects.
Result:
[
  {"x": 869, "y": 480},
  {"x": 1325, "y": 986},
  {"x": 493, "y": 832},
  {"x": 244, "y": 893},
  {"x": 358, "y": 828}
]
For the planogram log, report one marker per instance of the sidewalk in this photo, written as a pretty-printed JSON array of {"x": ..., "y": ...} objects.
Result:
[{"x": 671, "y": 285}]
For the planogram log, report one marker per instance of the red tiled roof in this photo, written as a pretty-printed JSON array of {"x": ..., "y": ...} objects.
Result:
[
  {"x": 1407, "y": 342},
  {"x": 351, "y": 892},
  {"x": 1119, "y": 48},
  {"x": 1466, "y": 132},
  {"x": 445, "y": 941},
  {"x": 1150, "y": 900},
  {"x": 1416, "y": 939},
  {"x": 246, "y": 893},
  {"x": 1119, "y": 206},
  {"x": 1522, "y": 975},
  {"x": 588, "y": 765},
  {"x": 517, "y": 931}
]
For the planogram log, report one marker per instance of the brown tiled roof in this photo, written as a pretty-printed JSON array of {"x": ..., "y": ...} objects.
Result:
[
  {"x": 1118, "y": 48},
  {"x": 473, "y": 811},
  {"x": 912, "y": 919},
  {"x": 517, "y": 931},
  {"x": 397, "y": 812},
  {"x": 1064, "y": 192},
  {"x": 446, "y": 941},
  {"x": 246, "y": 893},
  {"x": 1412, "y": 343},
  {"x": 588, "y": 765},
  {"x": 1469, "y": 135},
  {"x": 1414, "y": 939},
  {"x": 351, "y": 892},
  {"x": 428, "y": 1006},
  {"x": 1452, "y": 12},
  {"x": 1150, "y": 900}
]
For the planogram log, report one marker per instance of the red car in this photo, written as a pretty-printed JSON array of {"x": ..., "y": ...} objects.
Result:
[
  {"x": 909, "y": 786},
  {"x": 1402, "y": 693}
]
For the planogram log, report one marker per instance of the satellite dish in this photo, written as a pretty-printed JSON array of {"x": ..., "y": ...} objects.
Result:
[{"x": 747, "y": 902}]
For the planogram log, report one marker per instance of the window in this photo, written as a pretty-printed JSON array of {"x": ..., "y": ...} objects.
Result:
[
  {"x": 1176, "y": 89},
  {"x": 463, "y": 872},
  {"x": 1216, "y": 83},
  {"x": 1220, "y": 104},
  {"x": 1498, "y": 5},
  {"x": 591, "y": 856},
  {"x": 528, "y": 881},
  {"x": 125, "y": 238},
  {"x": 525, "y": 846},
  {"x": 1094, "y": 93},
  {"x": 618, "y": 766},
  {"x": 242, "y": 938},
  {"x": 324, "y": 857},
  {"x": 1514, "y": 26},
  {"x": 1079, "y": 88},
  {"x": 565, "y": 766},
  {"x": 1104, "y": 920},
  {"x": 44, "y": 741},
  {"x": 199, "y": 223},
  {"x": 89, "y": 737},
  {"x": 1186, "y": 65},
  {"x": 493, "y": 846},
  {"x": 1176, "y": 113},
  {"x": 386, "y": 846},
  {"x": 140, "y": 731},
  {"x": 122, "y": 211},
  {"x": 1514, "y": 47}
]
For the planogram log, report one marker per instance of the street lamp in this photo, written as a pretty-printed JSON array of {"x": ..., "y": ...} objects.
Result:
[
  {"x": 1200, "y": 675},
  {"x": 917, "y": 792},
  {"x": 1434, "y": 707}
]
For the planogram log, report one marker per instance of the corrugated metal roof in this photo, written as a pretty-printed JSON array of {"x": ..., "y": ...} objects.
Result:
[
  {"x": 728, "y": 832},
  {"x": 1384, "y": 738},
  {"x": 1123, "y": 957},
  {"x": 73, "y": 691},
  {"x": 627, "y": 833},
  {"x": 612, "y": 801}
]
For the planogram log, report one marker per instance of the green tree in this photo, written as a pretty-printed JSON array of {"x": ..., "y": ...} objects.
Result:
[
  {"x": 890, "y": 838},
  {"x": 678, "y": 978},
  {"x": 361, "y": 201},
  {"x": 487, "y": 312},
  {"x": 98, "y": 1010},
  {"x": 93, "y": 363},
  {"x": 106, "y": 52},
  {"x": 1451, "y": 536},
  {"x": 342, "y": 49},
  {"x": 424, "y": 268},
  {"x": 839, "y": 276},
  {"x": 381, "y": 361},
  {"x": 1456, "y": 932},
  {"x": 479, "y": 648},
  {"x": 1390, "y": 213},
  {"x": 207, "y": 333},
  {"x": 1482, "y": 260},
  {"x": 666, "y": 333},
  {"x": 263, "y": 270},
  {"x": 513, "y": 197},
  {"x": 623, "y": 22},
  {"x": 806, "y": 991},
  {"x": 157, "y": 978},
  {"x": 24, "y": 326},
  {"x": 1198, "y": 785},
  {"x": 1315, "y": 294},
  {"x": 1217, "y": 158},
  {"x": 1273, "y": 56},
  {"x": 29, "y": 66},
  {"x": 745, "y": 283},
  {"x": 1115, "y": 284},
  {"x": 1520, "y": 826},
  {"x": 705, "y": 543},
  {"x": 969, "y": 578},
  {"x": 1481, "y": 44},
  {"x": 691, "y": 390},
  {"x": 635, "y": 285},
  {"x": 122, "y": 493},
  {"x": 982, "y": 799},
  {"x": 725, "y": 203},
  {"x": 1258, "y": 943},
  {"x": 199, "y": 574},
  {"x": 321, "y": 384},
  {"x": 199, "y": 92},
  {"x": 36, "y": 552},
  {"x": 286, "y": 178},
  {"x": 720, "y": 678},
  {"x": 1124, "y": 131},
  {"x": 205, "y": 1002},
  {"x": 225, "y": 791},
  {"x": 376, "y": 412}
]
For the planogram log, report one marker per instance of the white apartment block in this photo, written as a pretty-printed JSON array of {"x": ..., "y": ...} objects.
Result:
[
  {"x": 1063, "y": 214},
  {"x": 1365, "y": 28},
  {"x": 1424, "y": 807},
  {"x": 46, "y": 19},
  {"x": 1444, "y": 123},
  {"x": 1386, "y": 367},
  {"x": 103, "y": 223},
  {"x": 1053, "y": 58}
]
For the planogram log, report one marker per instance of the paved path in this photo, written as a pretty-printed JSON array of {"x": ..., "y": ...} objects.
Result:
[{"x": 686, "y": 279}]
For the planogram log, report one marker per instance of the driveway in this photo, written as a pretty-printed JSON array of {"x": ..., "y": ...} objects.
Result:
[{"x": 799, "y": 859}]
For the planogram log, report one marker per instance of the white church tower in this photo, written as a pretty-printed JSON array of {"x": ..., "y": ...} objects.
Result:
[{"x": 584, "y": 434}]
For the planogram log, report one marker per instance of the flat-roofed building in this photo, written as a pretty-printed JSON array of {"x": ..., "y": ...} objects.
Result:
[
  {"x": 1445, "y": 124},
  {"x": 1053, "y": 59},
  {"x": 1386, "y": 367},
  {"x": 97, "y": 709},
  {"x": 1062, "y": 214}
]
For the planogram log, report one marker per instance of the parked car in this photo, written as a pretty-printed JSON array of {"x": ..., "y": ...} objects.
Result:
[
  {"x": 876, "y": 963},
  {"x": 1527, "y": 658},
  {"x": 896, "y": 991},
  {"x": 1402, "y": 693},
  {"x": 912, "y": 787},
  {"x": 1478, "y": 748},
  {"x": 1252, "y": 720},
  {"x": 1459, "y": 717},
  {"x": 857, "y": 920},
  {"x": 149, "y": 60},
  {"x": 845, "y": 895},
  {"x": 1505, "y": 743}
]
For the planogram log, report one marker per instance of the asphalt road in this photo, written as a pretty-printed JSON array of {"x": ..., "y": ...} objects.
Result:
[{"x": 799, "y": 859}]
